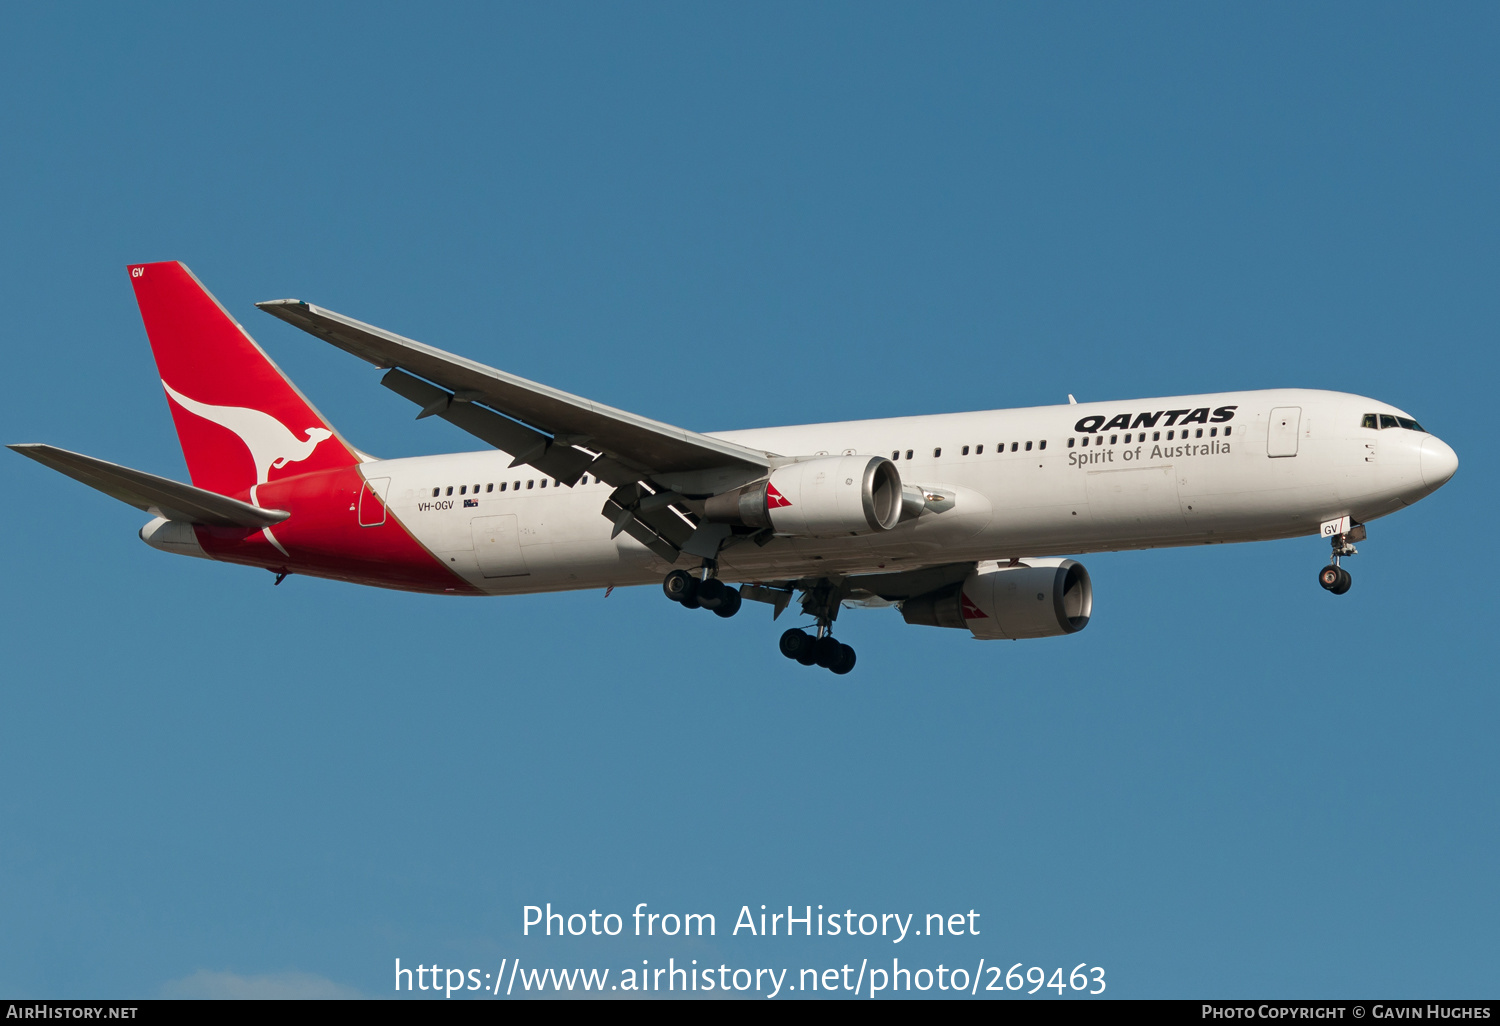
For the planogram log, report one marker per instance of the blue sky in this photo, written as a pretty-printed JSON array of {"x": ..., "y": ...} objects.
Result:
[{"x": 1230, "y": 784}]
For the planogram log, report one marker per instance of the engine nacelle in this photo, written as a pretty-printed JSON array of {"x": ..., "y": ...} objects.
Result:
[
  {"x": 825, "y": 497},
  {"x": 1040, "y": 598}
]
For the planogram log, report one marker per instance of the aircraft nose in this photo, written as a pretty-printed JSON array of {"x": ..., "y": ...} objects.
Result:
[{"x": 1439, "y": 461}]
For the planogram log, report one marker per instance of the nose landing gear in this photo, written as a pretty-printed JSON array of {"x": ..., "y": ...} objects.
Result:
[
  {"x": 1341, "y": 534},
  {"x": 1335, "y": 579}
]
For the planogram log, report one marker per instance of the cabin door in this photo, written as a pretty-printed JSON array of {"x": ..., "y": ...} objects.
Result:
[{"x": 1281, "y": 433}]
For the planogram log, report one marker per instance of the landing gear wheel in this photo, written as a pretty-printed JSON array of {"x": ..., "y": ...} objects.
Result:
[
  {"x": 794, "y": 643},
  {"x": 711, "y": 593},
  {"x": 845, "y": 662},
  {"x": 827, "y": 652},
  {"x": 730, "y": 604},
  {"x": 679, "y": 585},
  {"x": 1335, "y": 579}
]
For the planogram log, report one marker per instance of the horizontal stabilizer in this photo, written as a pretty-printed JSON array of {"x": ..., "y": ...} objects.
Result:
[{"x": 159, "y": 496}]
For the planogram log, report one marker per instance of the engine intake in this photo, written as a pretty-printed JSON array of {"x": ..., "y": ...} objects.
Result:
[
  {"x": 824, "y": 497},
  {"x": 1040, "y": 598}
]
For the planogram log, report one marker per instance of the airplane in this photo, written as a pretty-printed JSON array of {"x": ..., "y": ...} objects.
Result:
[{"x": 959, "y": 520}]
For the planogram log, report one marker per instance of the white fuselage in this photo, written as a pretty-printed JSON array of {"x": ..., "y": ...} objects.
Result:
[{"x": 1001, "y": 492}]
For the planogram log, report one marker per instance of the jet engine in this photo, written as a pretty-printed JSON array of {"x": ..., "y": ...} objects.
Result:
[
  {"x": 1037, "y": 598},
  {"x": 823, "y": 497}
]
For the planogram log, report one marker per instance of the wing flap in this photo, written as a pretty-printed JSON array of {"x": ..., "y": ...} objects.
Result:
[
  {"x": 160, "y": 496},
  {"x": 528, "y": 445}
]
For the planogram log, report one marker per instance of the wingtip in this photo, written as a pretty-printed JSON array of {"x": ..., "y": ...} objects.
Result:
[{"x": 267, "y": 304}]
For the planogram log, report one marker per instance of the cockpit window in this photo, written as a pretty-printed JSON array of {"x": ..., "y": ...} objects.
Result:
[{"x": 1386, "y": 420}]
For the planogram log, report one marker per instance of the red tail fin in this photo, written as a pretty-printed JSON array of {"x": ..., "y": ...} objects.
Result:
[{"x": 240, "y": 421}]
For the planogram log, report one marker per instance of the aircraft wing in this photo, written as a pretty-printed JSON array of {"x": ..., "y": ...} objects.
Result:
[
  {"x": 560, "y": 434},
  {"x": 159, "y": 496}
]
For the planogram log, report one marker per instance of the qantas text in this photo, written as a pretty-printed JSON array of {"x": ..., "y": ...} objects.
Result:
[{"x": 1132, "y": 421}]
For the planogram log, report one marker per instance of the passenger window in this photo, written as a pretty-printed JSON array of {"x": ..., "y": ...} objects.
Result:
[
  {"x": 1042, "y": 444},
  {"x": 1028, "y": 446},
  {"x": 435, "y": 492},
  {"x": 1113, "y": 440},
  {"x": 966, "y": 451},
  {"x": 517, "y": 486},
  {"x": 1127, "y": 439},
  {"x": 1070, "y": 443},
  {"x": 908, "y": 454},
  {"x": 1369, "y": 421},
  {"x": 937, "y": 453},
  {"x": 1099, "y": 440},
  {"x": 1227, "y": 431},
  {"x": 1085, "y": 439},
  {"x": 1015, "y": 446},
  {"x": 896, "y": 455},
  {"x": 1156, "y": 436},
  {"x": 1199, "y": 433},
  {"x": 450, "y": 489},
  {"x": 531, "y": 484},
  {"x": 979, "y": 450},
  {"x": 1171, "y": 435},
  {"x": 544, "y": 482},
  {"x": 502, "y": 486},
  {"x": 1387, "y": 421},
  {"x": 1213, "y": 432},
  {"x": 463, "y": 489},
  {"x": 489, "y": 488}
]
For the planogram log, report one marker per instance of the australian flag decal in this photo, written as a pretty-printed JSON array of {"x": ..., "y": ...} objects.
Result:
[{"x": 470, "y": 502}]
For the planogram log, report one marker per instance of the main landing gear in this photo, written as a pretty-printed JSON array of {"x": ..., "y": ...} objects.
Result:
[
  {"x": 821, "y": 650},
  {"x": 820, "y": 601},
  {"x": 1333, "y": 577},
  {"x": 709, "y": 593}
]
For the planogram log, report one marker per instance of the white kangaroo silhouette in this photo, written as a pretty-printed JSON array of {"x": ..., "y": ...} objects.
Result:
[{"x": 270, "y": 442}]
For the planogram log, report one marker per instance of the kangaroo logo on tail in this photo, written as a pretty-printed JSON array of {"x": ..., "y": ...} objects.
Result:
[{"x": 271, "y": 443}]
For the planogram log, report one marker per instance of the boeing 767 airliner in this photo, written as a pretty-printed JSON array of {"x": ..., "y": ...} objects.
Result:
[{"x": 960, "y": 520}]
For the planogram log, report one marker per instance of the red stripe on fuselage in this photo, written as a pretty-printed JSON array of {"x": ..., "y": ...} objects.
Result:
[{"x": 323, "y": 538}]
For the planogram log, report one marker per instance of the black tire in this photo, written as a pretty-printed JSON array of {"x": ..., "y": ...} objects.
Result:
[
  {"x": 1345, "y": 582},
  {"x": 827, "y": 652},
  {"x": 678, "y": 585},
  {"x": 846, "y": 660},
  {"x": 711, "y": 593},
  {"x": 794, "y": 643},
  {"x": 730, "y": 605},
  {"x": 1329, "y": 577}
]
